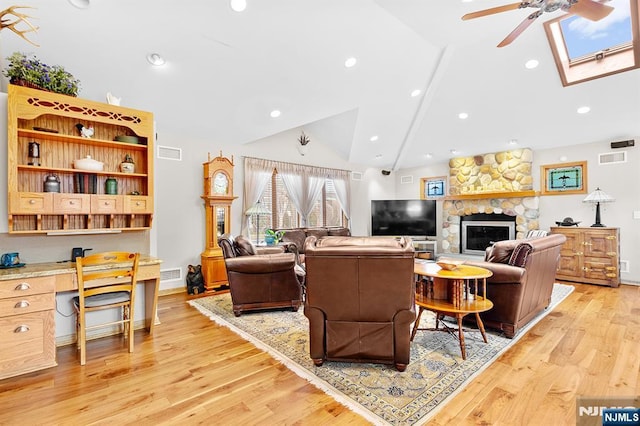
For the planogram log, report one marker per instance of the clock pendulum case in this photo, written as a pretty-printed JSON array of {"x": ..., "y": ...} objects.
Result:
[{"x": 218, "y": 196}]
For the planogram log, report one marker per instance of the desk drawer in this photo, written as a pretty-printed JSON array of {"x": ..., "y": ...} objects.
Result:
[
  {"x": 26, "y": 287},
  {"x": 26, "y": 304},
  {"x": 71, "y": 203},
  {"x": 106, "y": 204},
  {"x": 28, "y": 343}
]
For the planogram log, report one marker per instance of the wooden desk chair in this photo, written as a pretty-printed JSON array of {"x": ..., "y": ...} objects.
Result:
[{"x": 105, "y": 281}]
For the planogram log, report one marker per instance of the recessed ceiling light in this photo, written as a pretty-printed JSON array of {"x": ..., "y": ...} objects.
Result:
[
  {"x": 428, "y": 155},
  {"x": 275, "y": 113},
  {"x": 155, "y": 59},
  {"x": 415, "y": 93},
  {"x": 531, "y": 64},
  {"x": 379, "y": 156},
  {"x": 513, "y": 142},
  {"x": 373, "y": 138},
  {"x": 463, "y": 116},
  {"x": 454, "y": 151},
  {"x": 583, "y": 110},
  {"x": 350, "y": 62},
  {"x": 238, "y": 5},
  {"x": 80, "y": 4}
]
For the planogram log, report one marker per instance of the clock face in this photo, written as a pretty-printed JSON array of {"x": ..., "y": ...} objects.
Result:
[{"x": 220, "y": 183}]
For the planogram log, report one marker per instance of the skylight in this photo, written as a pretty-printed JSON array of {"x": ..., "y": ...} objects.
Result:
[
  {"x": 584, "y": 37},
  {"x": 584, "y": 49}
]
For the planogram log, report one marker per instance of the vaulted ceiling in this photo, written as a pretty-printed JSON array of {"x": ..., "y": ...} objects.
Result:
[{"x": 226, "y": 71}]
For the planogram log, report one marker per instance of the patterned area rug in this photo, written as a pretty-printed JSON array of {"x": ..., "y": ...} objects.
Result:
[{"x": 378, "y": 392}]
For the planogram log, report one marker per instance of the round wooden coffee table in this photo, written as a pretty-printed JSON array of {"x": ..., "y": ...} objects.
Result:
[{"x": 454, "y": 293}]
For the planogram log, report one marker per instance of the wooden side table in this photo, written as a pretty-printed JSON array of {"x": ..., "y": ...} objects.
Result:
[{"x": 455, "y": 293}]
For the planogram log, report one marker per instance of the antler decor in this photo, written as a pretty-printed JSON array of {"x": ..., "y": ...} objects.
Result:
[{"x": 12, "y": 22}]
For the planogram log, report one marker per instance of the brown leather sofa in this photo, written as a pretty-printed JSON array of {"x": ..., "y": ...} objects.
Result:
[
  {"x": 524, "y": 272},
  {"x": 294, "y": 238},
  {"x": 259, "y": 278},
  {"x": 360, "y": 299}
]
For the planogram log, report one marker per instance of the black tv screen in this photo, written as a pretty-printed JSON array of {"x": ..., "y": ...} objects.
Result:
[{"x": 415, "y": 218}]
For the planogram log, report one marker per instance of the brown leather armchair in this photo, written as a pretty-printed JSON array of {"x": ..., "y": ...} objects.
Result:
[
  {"x": 524, "y": 272},
  {"x": 360, "y": 299},
  {"x": 259, "y": 278}
]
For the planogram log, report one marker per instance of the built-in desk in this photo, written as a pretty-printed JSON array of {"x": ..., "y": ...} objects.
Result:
[{"x": 27, "y": 311}]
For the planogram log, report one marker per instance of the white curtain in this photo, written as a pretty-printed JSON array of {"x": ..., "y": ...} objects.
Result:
[
  {"x": 303, "y": 184},
  {"x": 257, "y": 173},
  {"x": 340, "y": 180}
]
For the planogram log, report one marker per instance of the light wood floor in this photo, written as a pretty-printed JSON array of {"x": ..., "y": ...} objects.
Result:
[{"x": 194, "y": 371}]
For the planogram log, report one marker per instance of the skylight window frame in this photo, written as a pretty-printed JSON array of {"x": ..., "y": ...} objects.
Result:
[{"x": 616, "y": 59}]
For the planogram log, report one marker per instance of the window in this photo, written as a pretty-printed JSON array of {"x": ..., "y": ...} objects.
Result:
[
  {"x": 584, "y": 49},
  {"x": 326, "y": 212}
]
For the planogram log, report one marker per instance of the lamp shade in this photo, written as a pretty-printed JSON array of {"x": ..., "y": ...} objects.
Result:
[
  {"x": 257, "y": 209},
  {"x": 598, "y": 196}
]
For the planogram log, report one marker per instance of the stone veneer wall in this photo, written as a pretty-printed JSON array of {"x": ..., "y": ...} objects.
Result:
[
  {"x": 525, "y": 210},
  {"x": 506, "y": 171}
]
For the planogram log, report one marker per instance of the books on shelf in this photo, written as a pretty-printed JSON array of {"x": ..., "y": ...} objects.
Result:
[{"x": 85, "y": 183}]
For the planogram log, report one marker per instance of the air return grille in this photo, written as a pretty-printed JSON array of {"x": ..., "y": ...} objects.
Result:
[
  {"x": 169, "y": 153},
  {"x": 612, "y": 157},
  {"x": 171, "y": 274}
]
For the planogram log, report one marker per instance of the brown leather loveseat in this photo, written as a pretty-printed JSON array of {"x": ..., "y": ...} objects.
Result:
[
  {"x": 360, "y": 299},
  {"x": 259, "y": 278},
  {"x": 524, "y": 272},
  {"x": 297, "y": 237}
]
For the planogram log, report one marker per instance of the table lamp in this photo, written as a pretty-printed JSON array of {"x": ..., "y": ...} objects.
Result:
[
  {"x": 597, "y": 197},
  {"x": 257, "y": 210}
]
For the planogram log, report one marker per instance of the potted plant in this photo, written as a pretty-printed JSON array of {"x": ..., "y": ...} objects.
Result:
[
  {"x": 29, "y": 71},
  {"x": 272, "y": 237}
]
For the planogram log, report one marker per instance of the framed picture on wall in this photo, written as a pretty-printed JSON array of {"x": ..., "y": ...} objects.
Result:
[
  {"x": 433, "y": 187},
  {"x": 564, "y": 178}
]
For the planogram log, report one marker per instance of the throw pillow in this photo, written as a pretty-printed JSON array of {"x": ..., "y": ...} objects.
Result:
[
  {"x": 520, "y": 254},
  {"x": 244, "y": 246},
  {"x": 501, "y": 251}
]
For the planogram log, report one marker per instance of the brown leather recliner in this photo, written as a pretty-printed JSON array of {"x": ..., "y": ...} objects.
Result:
[
  {"x": 360, "y": 299},
  {"x": 524, "y": 272},
  {"x": 259, "y": 278}
]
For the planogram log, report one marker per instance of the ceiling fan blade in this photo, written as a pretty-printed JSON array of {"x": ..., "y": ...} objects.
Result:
[
  {"x": 494, "y": 10},
  {"x": 591, "y": 10},
  {"x": 520, "y": 28}
]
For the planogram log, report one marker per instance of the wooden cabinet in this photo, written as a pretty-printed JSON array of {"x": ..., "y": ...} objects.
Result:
[
  {"x": 590, "y": 255},
  {"x": 51, "y": 120},
  {"x": 27, "y": 326}
]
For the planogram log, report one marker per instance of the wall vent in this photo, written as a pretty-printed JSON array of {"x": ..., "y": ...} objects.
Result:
[
  {"x": 406, "y": 180},
  {"x": 612, "y": 157},
  {"x": 356, "y": 175},
  {"x": 171, "y": 274},
  {"x": 624, "y": 266},
  {"x": 169, "y": 153}
]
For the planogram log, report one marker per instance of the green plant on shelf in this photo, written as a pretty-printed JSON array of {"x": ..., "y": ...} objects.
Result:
[{"x": 29, "y": 69}]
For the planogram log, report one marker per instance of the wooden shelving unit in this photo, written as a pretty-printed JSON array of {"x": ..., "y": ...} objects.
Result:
[{"x": 74, "y": 209}]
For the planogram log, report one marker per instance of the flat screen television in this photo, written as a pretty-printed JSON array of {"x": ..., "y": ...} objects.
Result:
[{"x": 414, "y": 218}]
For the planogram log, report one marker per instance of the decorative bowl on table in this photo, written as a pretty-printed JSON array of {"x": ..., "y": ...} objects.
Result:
[{"x": 449, "y": 264}]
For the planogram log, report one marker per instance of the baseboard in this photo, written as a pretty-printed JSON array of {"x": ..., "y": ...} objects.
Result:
[
  {"x": 96, "y": 334},
  {"x": 173, "y": 290}
]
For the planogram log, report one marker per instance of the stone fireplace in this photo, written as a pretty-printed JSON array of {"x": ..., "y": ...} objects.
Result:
[{"x": 490, "y": 184}]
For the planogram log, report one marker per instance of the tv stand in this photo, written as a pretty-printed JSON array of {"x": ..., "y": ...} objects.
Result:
[{"x": 425, "y": 249}]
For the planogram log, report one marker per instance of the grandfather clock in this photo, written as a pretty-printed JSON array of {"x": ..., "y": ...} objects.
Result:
[{"x": 218, "y": 196}]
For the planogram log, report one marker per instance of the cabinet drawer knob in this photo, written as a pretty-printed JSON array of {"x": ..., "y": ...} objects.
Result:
[
  {"x": 21, "y": 329},
  {"x": 72, "y": 202},
  {"x": 22, "y": 287},
  {"x": 32, "y": 201},
  {"x": 22, "y": 304},
  {"x": 137, "y": 203}
]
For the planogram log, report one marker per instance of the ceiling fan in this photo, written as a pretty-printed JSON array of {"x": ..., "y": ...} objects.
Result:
[{"x": 588, "y": 9}]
